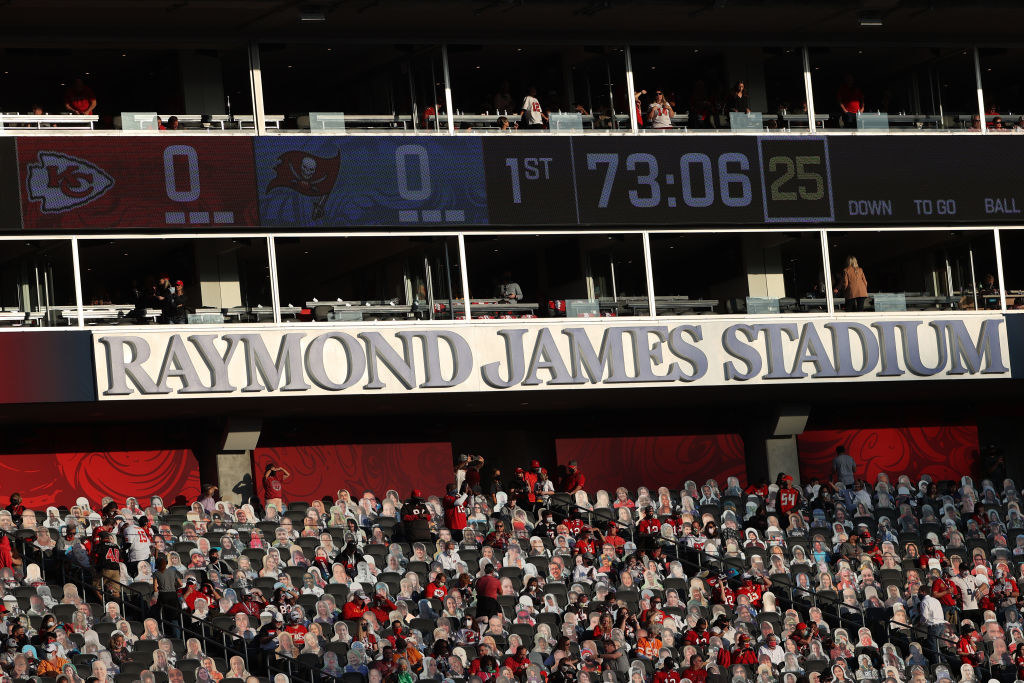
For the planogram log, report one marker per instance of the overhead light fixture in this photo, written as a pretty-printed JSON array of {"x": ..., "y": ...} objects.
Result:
[
  {"x": 870, "y": 19},
  {"x": 312, "y": 13}
]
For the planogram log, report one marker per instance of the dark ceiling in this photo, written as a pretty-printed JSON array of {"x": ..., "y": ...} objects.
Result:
[{"x": 216, "y": 23}]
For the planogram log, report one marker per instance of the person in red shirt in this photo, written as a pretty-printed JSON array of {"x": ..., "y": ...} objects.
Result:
[
  {"x": 296, "y": 628},
  {"x": 518, "y": 662},
  {"x": 870, "y": 548},
  {"x": 530, "y": 476},
  {"x": 497, "y": 539},
  {"x": 574, "y": 523},
  {"x": 851, "y": 101},
  {"x": 487, "y": 588},
  {"x": 574, "y": 480},
  {"x": 724, "y": 595},
  {"x": 788, "y": 497},
  {"x": 696, "y": 671},
  {"x": 79, "y": 98},
  {"x": 698, "y": 636},
  {"x": 752, "y": 590},
  {"x": 744, "y": 653},
  {"x": 250, "y": 604},
  {"x": 612, "y": 538},
  {"x": 397, "y": 631},
  {"x": 355, "y": 608},
  {"x": 273, "y": 483},
  {"x": 478, "y": 665},
  {"x": 381, "y": 605},
  {"x": 801, "y": 636},
  {"x": 437, "y": 588},
  {"x": 652, "y": 615},
  {"x": 723, "y": 658},
  {"x": 967, "y": 646},
  {"x": 758, "y": 489},
  {"x": 649, "y": 529},
  {"x": 931, "y": 552},
  {"x": 667, "y": 673},
  {"x": 454, "y": 505},
  {"x": 586, "y": 545},
  {"x": 946, "y": 592},
  {"x": 191, "y": 592}
]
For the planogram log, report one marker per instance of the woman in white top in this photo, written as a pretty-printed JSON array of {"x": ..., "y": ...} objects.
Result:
[{"x": 660, "y": 112}]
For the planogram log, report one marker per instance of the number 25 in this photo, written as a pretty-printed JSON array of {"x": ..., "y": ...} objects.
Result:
[{"x": 799, "y": 170}]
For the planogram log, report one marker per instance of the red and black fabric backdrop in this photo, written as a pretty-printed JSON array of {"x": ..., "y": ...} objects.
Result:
[
  {"x": 947, "y": 452},
  {"x": 129, "y": 460},
  {"x": 654, "y": 461},
  {"x": 60, "y": 478},
  {"x": 322, "y": 469}
]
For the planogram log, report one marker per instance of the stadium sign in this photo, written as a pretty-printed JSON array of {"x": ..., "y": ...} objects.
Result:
[{"x": 467, "y": 357}]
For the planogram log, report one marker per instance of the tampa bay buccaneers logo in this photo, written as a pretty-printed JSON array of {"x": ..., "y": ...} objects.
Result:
[
  {"x": 307, "y": 174},
  {"x": 61, "y": 182}
]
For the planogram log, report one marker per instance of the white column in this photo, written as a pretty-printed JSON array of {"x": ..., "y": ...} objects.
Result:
[
  {"x": 275, "y": 290},
  {"x": 78, "y": 282},
  {"x": 827, "y": 273},
  {"x": 812, "y": 125},
  {"x": 465, "y": 277},
  {"x": 981, "y": 91},
  {"x": 448, "y": 95},
  {"x": 999, "y": 272},
  {"x": 256, "y": 88},
  {"x": 634, "y": 125},
  {"x": 652, "y": 308}
]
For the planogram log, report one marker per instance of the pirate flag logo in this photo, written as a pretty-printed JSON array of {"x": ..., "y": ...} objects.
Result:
[{"x": 308, "y": 175}]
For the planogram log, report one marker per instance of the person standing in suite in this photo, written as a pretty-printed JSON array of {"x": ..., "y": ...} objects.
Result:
[{"x": 855, "y": 286}]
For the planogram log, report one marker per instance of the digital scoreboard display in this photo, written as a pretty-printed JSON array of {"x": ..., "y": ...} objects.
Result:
[
  {"x": 749, "y": 180},
  {"x": 514, "y": 181}
]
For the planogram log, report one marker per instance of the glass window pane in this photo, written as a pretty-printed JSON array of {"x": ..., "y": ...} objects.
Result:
[
  {"x": 494, "y": 81},
  {"x": 1011, "y": 241},
  {"x": 915, "y": 88},
  {"x": 919, "y": 270},
  {"x": 37, "y": 283},
  {"x": 374, "y": 86},
  {"x": 556, "y": 275},
  {"x": 135, "y": 281},
  {"x": 736, "y": 273},
  {"x": 1004, "y": 87},
  {"x": 187, "y": 83},
  {"x": 701, "y": 84},
  {"x": 368, "y": 278}
]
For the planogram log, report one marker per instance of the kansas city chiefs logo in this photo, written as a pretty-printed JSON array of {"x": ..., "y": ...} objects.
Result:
[{"x": 61, "y": 182}]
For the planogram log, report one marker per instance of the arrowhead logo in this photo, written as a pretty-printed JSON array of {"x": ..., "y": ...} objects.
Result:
[{"x": 61, "y": 182}]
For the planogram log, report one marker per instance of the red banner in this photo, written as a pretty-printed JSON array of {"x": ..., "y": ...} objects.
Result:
[
  {"x": 45, "y": 479},
  {"x": 322, "y": 469},
  {"x": 943, "y": 452},
  {"x": 191, "y": 183},
  {"x": 655, "y": 461}
]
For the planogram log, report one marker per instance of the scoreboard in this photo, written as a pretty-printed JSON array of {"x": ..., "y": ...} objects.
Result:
[{"x": 198, "y": 183}]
